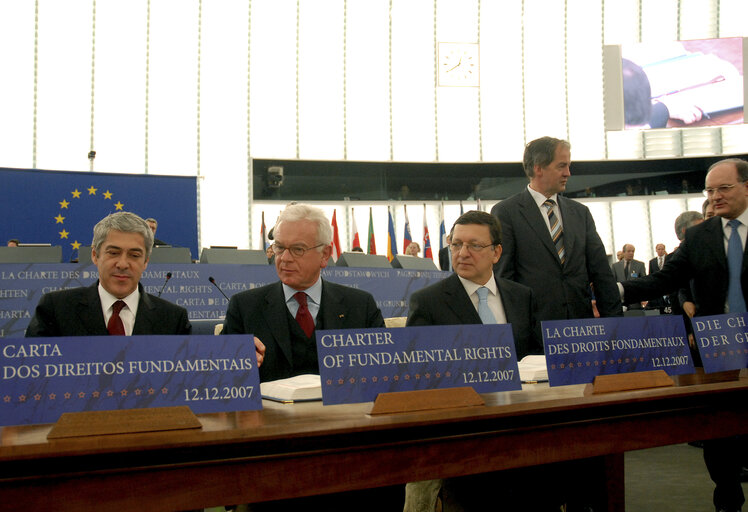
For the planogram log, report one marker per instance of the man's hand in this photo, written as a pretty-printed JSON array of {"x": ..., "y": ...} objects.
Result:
[
  {"x": 259, "y": 351},
  {"x": 689, "y": 308}
]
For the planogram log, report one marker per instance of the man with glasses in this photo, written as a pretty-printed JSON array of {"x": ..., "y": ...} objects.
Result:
[
  {"x": 551, "y": 243},
  {"x": 284, "y": 315},
  {"x": 711, "y": 259},
  {"x": 474, "y": 295}
]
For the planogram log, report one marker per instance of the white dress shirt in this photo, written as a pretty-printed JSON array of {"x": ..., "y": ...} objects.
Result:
[
  {"x": 493, "y": 299},
  {"x": 127, "y": 314}
]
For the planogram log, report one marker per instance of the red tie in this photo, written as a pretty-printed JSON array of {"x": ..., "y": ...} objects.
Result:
[
  {"x": 115, "y": 325},
  {"x": 303, "y": 316}
]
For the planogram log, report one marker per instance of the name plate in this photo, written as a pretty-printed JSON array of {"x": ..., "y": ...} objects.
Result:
[
  {"x": 358, "y": 364},
  {"x": 45, "y": 377},
  {"x": 579, "y": 350},
  {"x": 722, "y": 341}
]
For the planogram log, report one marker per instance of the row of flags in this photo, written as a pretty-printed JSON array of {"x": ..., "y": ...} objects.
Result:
[{"x": 371, "y": 247}]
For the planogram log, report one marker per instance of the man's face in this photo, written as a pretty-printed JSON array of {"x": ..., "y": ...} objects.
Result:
[
  {"x": 552, "y": 178},
  {"x": 299, "y": 272},
  {"x": 152, "y": 225},
  {"x": 121, "y": 261},
  {"x": 628, "y": 252},
  {"x": 731, "y": 202},
  {"x": 660, "y": 248},
  {"x": 474, "y": 266}
]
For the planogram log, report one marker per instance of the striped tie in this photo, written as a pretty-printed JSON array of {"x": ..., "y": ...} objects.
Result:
[{"x": 557, "y": 232}]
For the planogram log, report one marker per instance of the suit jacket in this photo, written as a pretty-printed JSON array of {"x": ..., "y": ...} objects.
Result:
[
  {"x": 653, "y": 264},
  {"x": 447, "y": 303},
  {"x": 263, "y": 313},
  {"x": 636, "y": 267},
  {"x": 77, "y": 312},
  {"x": 530, "y": 258},
  {"x": 700, "y": 264},
  {"x": 444, "y": 257}
]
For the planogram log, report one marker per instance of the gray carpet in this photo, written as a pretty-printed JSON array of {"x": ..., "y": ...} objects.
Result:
[{"x": 668, "y": 479}]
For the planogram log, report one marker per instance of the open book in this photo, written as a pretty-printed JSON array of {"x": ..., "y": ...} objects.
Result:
[
  {"x": 533, "y": 369},
  {"x": 301, "y": 388}
]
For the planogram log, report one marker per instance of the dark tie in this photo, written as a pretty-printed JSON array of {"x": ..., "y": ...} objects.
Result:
[
  {"x": 557, "y": 232},
  {"x": 626, "y": 269},
  {"x": 303, "y": 316},
  {"x": 735, "y": 299},
  {"x": 115, "y": 325},
  {"x": 659, "y": 263}
]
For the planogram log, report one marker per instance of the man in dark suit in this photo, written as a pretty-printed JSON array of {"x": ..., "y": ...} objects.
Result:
[
  {"x": 628, "y": 268},
  {"x": 283, "y": 316},
  {"x": 712, "y": 260},
  {"x": 445, "y": 259},
  {"x": 656, "y": 263},
  {"x": 117, "y": 303},
  {"x": 560, "y": 267}
]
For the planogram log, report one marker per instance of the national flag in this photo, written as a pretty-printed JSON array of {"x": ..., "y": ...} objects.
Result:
[
  {"x": 336, "y": 252},
  {"x": 391, "y": 240},
  {"x": 371, "y": 246},
  {"x": 442, "y": 230},
  {"x": 426, "y": 238},
  {"x": 356, "y": 242},
  {"x": 407, "y": 238},
  {"x": 263, "y": 233}
]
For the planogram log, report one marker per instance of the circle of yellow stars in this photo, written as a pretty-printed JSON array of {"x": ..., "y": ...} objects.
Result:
[{"x": 65, "y": 204}]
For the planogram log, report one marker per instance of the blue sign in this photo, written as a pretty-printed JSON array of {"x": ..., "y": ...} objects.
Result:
[
  {"x": 45, "y": 377},
  {"x": 22, "y": 285},
  {"x": 578, "y": 350},
  {"x": 722, "y": 341},
  {"x": 358, "y": 364}
]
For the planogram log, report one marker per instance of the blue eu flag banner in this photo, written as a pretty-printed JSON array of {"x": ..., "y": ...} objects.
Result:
[{"x": 61, "y": 208}]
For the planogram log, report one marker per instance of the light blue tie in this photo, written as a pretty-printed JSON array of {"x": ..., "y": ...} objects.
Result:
[
  {"x": 484, "y": 312},
  {"x": 735, "y": 300}
]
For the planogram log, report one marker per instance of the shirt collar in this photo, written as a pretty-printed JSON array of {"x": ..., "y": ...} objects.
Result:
[
  {"x": 540, "y": 198},
  {"x": 107, "y": 299},
  {"x": 314, "y": 292},
  {"x": 743, "y": 218},
  {"x": 471, "y": 287}
]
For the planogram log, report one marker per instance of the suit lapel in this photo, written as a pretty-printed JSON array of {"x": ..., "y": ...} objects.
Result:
[
  {"x": 276, "y": 317},
  {"x": 715, "y": 243},
  {"x": 570, "y": 223},
  {"x": 89, "y": 311},
  {"x": 530, "y": 211},
  {"x": 333, "y": 308},
  {"x": 145, "y": 318},
  {"x": 511, "y": 309},
  {"x": 459, "y": 302}
]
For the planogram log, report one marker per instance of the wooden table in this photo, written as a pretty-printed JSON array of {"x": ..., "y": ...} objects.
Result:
[{"x": 295, "y": 450}]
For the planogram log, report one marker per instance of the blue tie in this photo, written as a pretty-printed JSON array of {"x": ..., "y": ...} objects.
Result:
[
  {"x": 735, "y": 300},
  {"x": 484, "y": 312}
]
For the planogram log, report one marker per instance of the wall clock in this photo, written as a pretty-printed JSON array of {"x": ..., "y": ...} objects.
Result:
[{"x": 459, "y": 65}]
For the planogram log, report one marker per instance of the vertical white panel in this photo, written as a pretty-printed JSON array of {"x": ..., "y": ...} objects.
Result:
[
  {"x": 621, "y": 21},
  {"x": 272, "y": 79},
  {"x": 413, "y": 80},
  {"x": 367, "y": 85},
  {"x": 630, "y": 226},
  {"x": 659, "y": 21},
  {"x": 321, "y": 79},
  {"x": 119, "y": 109},
  {"x": 223, "y": 126},
  {"x": 64, "y": 89},
  {"x": 600, "y": 210},
  {"x": 172, "y": 113},
  {"x": 732, "y": 16},
  {"x": 735, "y": 139},
  {"x": 271, "y": 211},
  {"x": 17, "y": 86},
  {"x": 663, "y": 213},
  {"x": 501, "y": 80},
  {"x": 695, "y": 203},
  {"x": 544, "y": 78},
  {"x": 584, "y": 78},
  {"x": 698, "y": 19}
]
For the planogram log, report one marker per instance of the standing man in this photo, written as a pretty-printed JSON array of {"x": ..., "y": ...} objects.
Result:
[
  {"x": 550, "y": 243},
  {"x": 117, "y": 303},
  {"x": 712, "y": 259},
  {"x": 628, "y": 267},
  {"x": 153, "y": 224},
  {"x": 284, "y": 315},
  {"x": 656, "y": 263}
]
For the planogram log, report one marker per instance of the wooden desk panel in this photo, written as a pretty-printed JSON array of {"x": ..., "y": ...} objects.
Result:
[{"x": 295, "y": 450}]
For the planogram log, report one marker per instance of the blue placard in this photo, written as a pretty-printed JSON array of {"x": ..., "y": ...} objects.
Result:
[
  {"x": 358, "y": 364},
  {"x": 722, "y": 341},
  {"x": 45, "y": 377},
  {"x": 579, "y": 350}
]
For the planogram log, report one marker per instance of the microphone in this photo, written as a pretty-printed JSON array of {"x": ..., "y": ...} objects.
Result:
[
  {"x": 168, "y": 276},
  {"x": 213, "y": 282}
]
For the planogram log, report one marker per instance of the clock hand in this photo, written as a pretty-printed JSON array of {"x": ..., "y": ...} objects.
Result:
[{"x": 456, "y": 66}]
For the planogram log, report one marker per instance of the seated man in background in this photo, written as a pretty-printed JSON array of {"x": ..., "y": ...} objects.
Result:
[
  {"x": 284, "y": 315},
  {"x": 117, "y": 303}
]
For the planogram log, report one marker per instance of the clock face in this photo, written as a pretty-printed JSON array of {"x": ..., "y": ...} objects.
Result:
[{"x": 459, "y": 65}]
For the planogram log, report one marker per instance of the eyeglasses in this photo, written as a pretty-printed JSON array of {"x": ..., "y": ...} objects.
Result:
[
  {"x": 722, "y": 189},
  {"x": 296, "y": 251},
  {"x": 457, "y": 247}
]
